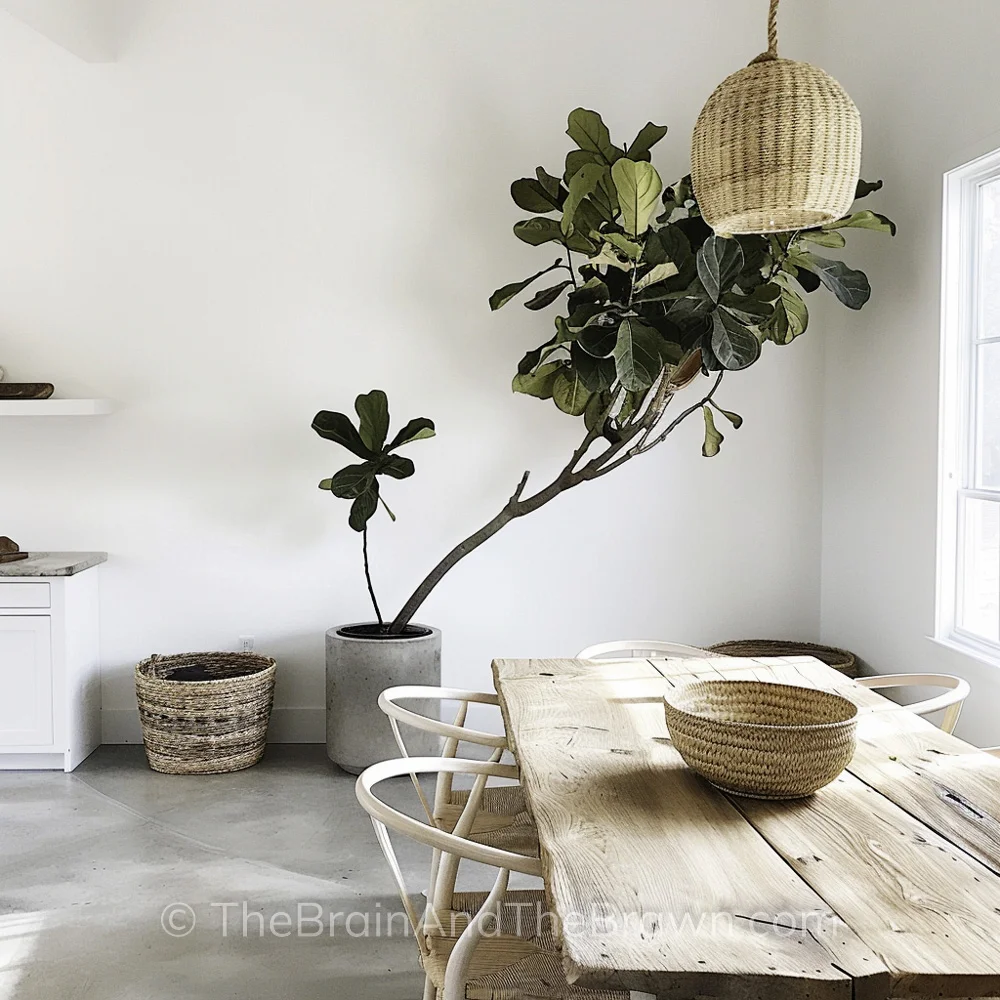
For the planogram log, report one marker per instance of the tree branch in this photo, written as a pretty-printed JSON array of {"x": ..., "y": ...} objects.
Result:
[
  {"x": 368, "y": 575},
  {"x": 568, "y": 477}
]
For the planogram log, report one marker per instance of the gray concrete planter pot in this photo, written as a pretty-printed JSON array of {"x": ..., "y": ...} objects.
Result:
[{"x": 359, "y": 667}]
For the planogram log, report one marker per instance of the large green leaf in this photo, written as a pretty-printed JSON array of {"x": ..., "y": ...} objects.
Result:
[
  {"x": 789, "y": 320},
  {"x": 352, "y": 481},
  {"x": 657, "y": 273},
  {"x": 713, "y": 438},
  {"x": 596, "y": 414},
  {"x": 592, "y": 290},
  {"x": 734, "y": 418},
  {"x": 569, "y": 393},
  {"x": 552, "y": 185},
  {"x": 628, "y": 247},
  {"x": 396, "y": 466},
  {"x": 638, "y": 186},
  {"x": 720, "y": 260},
  {"x": 690, "y": 310},
  {"x": 824, "y": 239},
  {"x": 373, "y": 413},
  {"x": 637, "y": 355},
  {"x": 806, "y": 279},
  {"x": 502, "y": 296},
  {"x": 735, "y": 345},
  {"x": 531, "y": 195},
  {"x": 647, "y": 138},
  {"x": 589, "y": 218},
  {"x": 597, "y": 374},
  {"x": 599, "y": 339},
  {"x": 543, "y": 230},
  {"x": 363, "y": 508},
  {"x": 865, "y": 188},
  {"x": 588, "y": 131},
  {"x": 850, "y": 286},
  {"x": 664, "y": 245},
  {"x": 577, "y": 158},
  {"x": 748, "y": 305},
  {"x": 864, "y": 220},
  {"x": 415, "y": 430},
  {"x": 539, "y": 382},
  {"x": 583, "y": 184},
  {"x": 796, "y": 313},
  {"x": 605, "y": 199},
  {"x": 338, "y": 427},
  {"x": 547, "y": 296}
]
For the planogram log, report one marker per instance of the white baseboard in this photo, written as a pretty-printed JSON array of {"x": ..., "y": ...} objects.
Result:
[{"x": 288, "y": 725}]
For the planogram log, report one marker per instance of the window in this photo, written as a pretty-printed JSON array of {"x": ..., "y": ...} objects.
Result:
[{"x": 969, "y": 539}]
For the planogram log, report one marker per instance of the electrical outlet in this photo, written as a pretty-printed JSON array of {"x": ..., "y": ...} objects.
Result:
[{"x": 246, "y": 643}]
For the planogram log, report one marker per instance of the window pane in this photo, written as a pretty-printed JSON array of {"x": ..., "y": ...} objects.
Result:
[
  {"x": 988, "y": 417},
  {"x": 989, "y": 261},
  {"x": 979, "y": 610}
]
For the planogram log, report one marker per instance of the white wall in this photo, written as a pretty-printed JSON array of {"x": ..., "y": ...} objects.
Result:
[
  {"x": 926, "y": 77},
  {"x": 262, "y": 209}
]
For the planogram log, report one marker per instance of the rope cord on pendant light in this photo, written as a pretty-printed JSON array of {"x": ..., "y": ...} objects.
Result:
[{"x": 772, "y": 35}]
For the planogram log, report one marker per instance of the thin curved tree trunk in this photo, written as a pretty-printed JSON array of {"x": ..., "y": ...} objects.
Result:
[{"x": 634, "y": 440}]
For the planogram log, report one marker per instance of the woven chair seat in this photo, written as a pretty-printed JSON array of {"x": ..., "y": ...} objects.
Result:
[
  {"x": 503, "y": 820},
  {"x": 518, "y": 961}
]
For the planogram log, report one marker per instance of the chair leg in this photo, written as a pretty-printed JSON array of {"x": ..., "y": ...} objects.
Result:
[
  {"x": 950, "y": 719},
  {"x": 457, "y": 972},
  {"x": 430, "y": 992}
]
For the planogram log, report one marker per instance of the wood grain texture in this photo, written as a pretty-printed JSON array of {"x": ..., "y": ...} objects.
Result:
[
  {"x": 889, "y": 872},
  {"x": 659, "y": 883}
]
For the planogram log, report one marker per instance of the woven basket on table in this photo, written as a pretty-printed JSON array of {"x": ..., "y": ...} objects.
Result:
[
  {"x": 840, "y": 659},
  {"x": 763, "y": 740},
  {"x": 777, "y": 147},
  {"x": 204, "y": 726}
]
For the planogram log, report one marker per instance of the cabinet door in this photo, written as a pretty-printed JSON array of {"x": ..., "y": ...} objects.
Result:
[{"x": 25, "y": 681}]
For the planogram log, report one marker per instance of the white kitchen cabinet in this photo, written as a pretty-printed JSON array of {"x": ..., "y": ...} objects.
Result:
[{"x": 50, "y": 672}]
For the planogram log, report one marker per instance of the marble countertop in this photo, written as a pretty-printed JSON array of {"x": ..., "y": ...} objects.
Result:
[{"x": 53, "y": 564}]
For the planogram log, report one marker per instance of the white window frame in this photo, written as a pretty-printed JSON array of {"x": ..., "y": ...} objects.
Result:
[{"x": 959, "y": 329}]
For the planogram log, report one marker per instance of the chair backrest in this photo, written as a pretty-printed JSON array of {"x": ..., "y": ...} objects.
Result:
[
  {"x": 956, "y": 690},
  {"x": 389, "y": 701},
  {"x": 454, "y": 733},
  {"x": 447, "y": 847},
  {"x": 632, "y": 649}
]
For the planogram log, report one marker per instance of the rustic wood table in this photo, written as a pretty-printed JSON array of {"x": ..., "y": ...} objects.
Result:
[{"x": 885, "y": 883}]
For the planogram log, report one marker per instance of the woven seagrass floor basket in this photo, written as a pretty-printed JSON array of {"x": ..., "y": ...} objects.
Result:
[
  {"x": 840, "y": 659},
  {"x": 761, "y": 740},
  {"x": 204, "y": 713}
]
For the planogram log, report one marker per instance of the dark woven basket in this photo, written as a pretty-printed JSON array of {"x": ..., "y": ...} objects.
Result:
[
  {"x": 204, "y": 713},
  {"x": 840, "y": 659}
]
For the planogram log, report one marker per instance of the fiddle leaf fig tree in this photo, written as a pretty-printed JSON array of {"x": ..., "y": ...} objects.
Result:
[
  {"x": 648, "y": 299},
  {"x": 360, "y": 482}
]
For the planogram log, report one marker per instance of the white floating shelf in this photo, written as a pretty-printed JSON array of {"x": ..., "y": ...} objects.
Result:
[{"x": 54, "y": 407}]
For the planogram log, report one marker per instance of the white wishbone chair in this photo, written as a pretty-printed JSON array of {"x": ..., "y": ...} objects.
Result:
[
  {"x": 488, "y": 946},
  {"x": 633, "y": 649},
  {"x": 956, "y": 690},
  {"x": 503, "y": 819}
]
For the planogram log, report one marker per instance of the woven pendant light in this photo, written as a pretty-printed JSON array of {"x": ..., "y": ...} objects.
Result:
[{"x": 777, "y": 147}]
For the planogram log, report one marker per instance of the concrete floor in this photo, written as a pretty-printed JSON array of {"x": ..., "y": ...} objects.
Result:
[{"x": 90, "y": 861}]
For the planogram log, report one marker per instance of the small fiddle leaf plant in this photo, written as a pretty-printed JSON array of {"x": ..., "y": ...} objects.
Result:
[{"x": 360, "y": 482}]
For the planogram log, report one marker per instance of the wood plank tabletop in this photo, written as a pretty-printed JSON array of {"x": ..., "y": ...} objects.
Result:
[{"x": 884, "y": 883}]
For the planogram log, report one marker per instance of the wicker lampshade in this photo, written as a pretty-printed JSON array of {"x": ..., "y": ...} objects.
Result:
[{"x": 777, "y": 147}]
